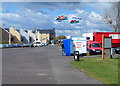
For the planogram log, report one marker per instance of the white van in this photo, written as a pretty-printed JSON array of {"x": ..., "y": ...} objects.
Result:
[{"x": 37, "y": 44}]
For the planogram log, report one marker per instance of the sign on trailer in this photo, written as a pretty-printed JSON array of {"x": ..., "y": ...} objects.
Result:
[{"x": 79, "y": 44}]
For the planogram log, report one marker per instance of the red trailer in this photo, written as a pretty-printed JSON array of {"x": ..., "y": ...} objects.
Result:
[{"x": 97, "y": 36}]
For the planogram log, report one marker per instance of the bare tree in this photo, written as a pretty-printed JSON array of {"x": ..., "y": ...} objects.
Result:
[
  {"x": 111, "y": 16},
  {"x": 118, "y": 30}
]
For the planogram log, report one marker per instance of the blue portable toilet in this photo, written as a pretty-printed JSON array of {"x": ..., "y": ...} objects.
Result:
[
  {"x": 67, "y": 47},
  {"x": 75, "y": 44}
]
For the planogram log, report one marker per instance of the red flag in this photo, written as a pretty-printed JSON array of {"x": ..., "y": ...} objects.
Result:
[
  {"x": 61, "y": 18},
  {"x": 74, "y": 21}
]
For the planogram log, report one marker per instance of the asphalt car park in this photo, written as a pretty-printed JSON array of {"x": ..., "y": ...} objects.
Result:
[{"x": 40, "y": 65}]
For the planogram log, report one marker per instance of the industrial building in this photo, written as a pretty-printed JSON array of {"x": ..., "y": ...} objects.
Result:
[
  {"x": 46, "y": 35},
  {"x": 4, "y": 36}
]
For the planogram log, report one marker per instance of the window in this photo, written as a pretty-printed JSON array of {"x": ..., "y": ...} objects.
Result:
[
  {"x": 95, "y": 45},
  {"x": 88, "y": 38}
]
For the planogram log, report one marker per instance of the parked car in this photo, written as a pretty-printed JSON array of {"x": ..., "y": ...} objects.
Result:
[
  {"x": 37, "y": 44},
  {"x": 42, "y": 44},
  {"x": 117, "y": 50},
  {"x": 27, "y": 45},
  {"x": 46, "y": 44},
  {"x": 94, "y": 47}
]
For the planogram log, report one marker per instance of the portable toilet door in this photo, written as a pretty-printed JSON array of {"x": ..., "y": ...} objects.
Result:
[{"x": 67, "y": 47}]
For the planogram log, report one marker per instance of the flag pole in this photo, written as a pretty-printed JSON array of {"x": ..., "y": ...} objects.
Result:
[{"x": 81, "y": 30}]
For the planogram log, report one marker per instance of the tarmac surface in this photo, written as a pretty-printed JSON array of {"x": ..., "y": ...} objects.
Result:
[{"x": 40, "y": 65}]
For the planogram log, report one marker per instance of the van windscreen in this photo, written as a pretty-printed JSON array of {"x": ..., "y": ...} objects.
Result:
[
  {"x": 37, "y": 42},
  {"x": 95, "y": 45}
]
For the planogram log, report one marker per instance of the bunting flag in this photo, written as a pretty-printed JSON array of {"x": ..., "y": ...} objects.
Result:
[
  {"x": 62, "y": 18},
  {"x": 74, "y": 21},
  {"x": 59, "y": 20},
  {"x": 77, "y": 18}
]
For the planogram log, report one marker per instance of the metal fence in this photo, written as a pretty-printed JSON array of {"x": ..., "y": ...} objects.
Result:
[{"x": 9, "y": 45}]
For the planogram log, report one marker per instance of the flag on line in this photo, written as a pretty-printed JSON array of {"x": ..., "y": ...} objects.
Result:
[
  {"x": 77, "y": 18},
  {"x": 74, "y": 21},
  {"x": 62, "y": 18},
  {"x": 59, "y": 20}
]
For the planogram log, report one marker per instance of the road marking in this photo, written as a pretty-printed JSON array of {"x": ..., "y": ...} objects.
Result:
[
  {"x": 42, "y": 74},
  {"x": 50, "y": 78}
]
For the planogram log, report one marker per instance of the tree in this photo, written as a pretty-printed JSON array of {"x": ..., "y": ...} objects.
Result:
[
  {"x": 61, "y": 37},
  {"x": 118, "y": 30},
  {"x": 111, "y": 16}
]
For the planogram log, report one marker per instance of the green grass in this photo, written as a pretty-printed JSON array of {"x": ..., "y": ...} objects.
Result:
[{"x": 105, "y": 70}]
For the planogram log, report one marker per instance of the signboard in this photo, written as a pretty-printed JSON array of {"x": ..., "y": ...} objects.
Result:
[
  {"x": 115, "y": 36},
  {"x": 79, "y": 44},
  {"x": 107, "y": 42}
]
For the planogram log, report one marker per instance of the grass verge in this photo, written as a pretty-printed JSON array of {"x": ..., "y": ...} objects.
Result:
[{"x": 105, "y": 70}]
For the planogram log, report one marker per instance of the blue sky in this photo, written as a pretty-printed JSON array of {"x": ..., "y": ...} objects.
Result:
[
  {"x": 29, "y": 15},
  {"x": 12, "y": 7},
  {"x": 9, "y": 8}
]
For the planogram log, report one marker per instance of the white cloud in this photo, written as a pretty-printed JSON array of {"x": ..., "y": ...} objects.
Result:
[
  {"x": 79, "y": 11},
  {"x": 32, "y": 18},
  {"x": 27, "y": 18},
  {"x": 95, "y": 16},
  {"x": 60, "y": 0},
  {"x": 9, "y": 15},
  {"x": 69, "y": 32},
  {"x": 1, "y": 9}
]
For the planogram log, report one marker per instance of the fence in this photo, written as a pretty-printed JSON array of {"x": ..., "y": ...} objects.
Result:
[{"x": 9, "y": 45}]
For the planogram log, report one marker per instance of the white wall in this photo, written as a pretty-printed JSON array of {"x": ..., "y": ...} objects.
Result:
[
  {"x": 32, "y": 35},
  {"x": 88, "y": 35},
  {"x": 25, "y": 36}
]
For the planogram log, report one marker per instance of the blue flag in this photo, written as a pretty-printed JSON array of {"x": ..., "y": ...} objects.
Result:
[
  {"x": 77, "y": 18},
  {"x": 59, "y": 20}
]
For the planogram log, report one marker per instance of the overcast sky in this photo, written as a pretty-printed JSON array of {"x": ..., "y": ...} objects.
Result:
[{"x": 42, "y": 15}]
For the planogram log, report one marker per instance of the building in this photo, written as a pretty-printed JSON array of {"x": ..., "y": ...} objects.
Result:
[
  {"x": 25, "y": 36},
  {"x": 32, "y": 34},
  {"x": 89, "y": 36},
  {"x": 46, "y": 35},
  {"x": 43, "y": 37},
  {"x": 4, "y": 36},
  {"x": 15, "y": 36},
  {"x": 12, "y": 35}
]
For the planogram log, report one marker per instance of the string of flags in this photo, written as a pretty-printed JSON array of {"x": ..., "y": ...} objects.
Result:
[
  {"x": 74, "y": 20},
  {"x": 77, "y": 18},
  {"x": 62, "y": 18}
]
